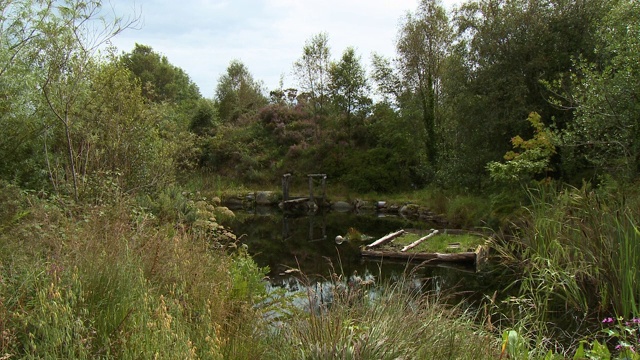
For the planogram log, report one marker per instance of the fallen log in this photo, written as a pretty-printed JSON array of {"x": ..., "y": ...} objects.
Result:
[
  {"x": 417, "y": 242},
  {"x": 385, "y": 239}
]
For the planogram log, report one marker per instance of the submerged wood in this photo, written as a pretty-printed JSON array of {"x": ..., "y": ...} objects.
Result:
[
  {"x": 385, "y": 239},
  {"x": 417, "y": 242}
]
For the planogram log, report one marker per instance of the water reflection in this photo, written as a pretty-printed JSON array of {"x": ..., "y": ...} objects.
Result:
[{"x": 308, "y": 244}]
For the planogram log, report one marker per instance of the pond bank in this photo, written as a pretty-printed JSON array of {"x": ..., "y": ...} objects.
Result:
[{"x": 305, "y": 205}]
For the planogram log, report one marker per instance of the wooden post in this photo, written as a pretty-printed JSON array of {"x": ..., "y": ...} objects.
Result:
[
  {"x": 285, "y": 186},
  {"x": 311, "y": 188},
  {"x": 324, "y": 188}
]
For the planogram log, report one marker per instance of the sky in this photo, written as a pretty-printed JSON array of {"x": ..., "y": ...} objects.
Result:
[{"x": 203, "y": 36}]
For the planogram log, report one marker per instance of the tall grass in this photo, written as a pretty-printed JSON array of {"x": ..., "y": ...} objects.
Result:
[
  {"x": 578, "y": 251},
  {"x": 113, "y": 282},
  {"x": 392, "y": 322}
]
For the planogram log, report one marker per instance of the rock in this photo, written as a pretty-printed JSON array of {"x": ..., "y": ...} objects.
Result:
[
  {"x": 234, "y": 203},
  {"x": 267, "y": 198},
  {"x": 410, "y": 210},
  {"x": 341, "y": 206},
  {"x": 364, "y": 205}
]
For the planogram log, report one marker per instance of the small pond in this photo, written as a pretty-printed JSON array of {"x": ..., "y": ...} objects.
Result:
[{"x": 284, "y": 242}]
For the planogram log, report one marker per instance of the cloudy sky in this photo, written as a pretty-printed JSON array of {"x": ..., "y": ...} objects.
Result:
[{"x": 203, "y": 36}]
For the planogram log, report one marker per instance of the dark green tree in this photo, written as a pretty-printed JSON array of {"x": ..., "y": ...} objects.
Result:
[
  {"x": 21, "y": 141},
  {"x": 604, "y": 137},
  {"x": 506, "y": 50},
  {"x": 66, "y": 53},
  {"x": 422, "y": 47},
  {"x": 161, "y": 81},
  {"x": 349, "y": 90}
]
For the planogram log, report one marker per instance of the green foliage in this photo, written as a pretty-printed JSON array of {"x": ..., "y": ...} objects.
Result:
[
  {"x": 349, "y": 90},
  {"x": 160, "y": 80},
  {"x": 247, "y": 278},
  {"x": 577, "y": 251},
  {"x": 604, "y": 91},
  {"x": 115, "y": 283},
  {"x": 378, "y": 170},
  {"x": 312, "y": 72},
  {"x": 238, "y": 94},
  {"x": 531, "y": 157},
  {"x": 205, "y": 118},
  {"x": 514, "y": 345},
  {"x": 125, "y": 139},
  {"x": 493, "y": 75}
]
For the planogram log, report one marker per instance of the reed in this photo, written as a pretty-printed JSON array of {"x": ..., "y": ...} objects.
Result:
[{"x": 578, "y": 254}]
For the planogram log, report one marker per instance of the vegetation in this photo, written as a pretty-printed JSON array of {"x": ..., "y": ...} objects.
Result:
[
  {"x": 400, "y": 323},
  {"x": 517, "y": 115},
  {"x": 442, "y": 243}
]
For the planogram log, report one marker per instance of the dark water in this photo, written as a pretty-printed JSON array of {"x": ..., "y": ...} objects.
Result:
[{"x": 308, "y": 243}]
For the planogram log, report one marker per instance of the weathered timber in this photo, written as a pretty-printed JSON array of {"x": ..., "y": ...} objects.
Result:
[
  {"x": 296, "y": 201},
  {"x": 385, "y": 239},
  {"x": 417, "y": 242},
  {"x": 464, "y": 257},
  {"x": 482, "y": 254}
]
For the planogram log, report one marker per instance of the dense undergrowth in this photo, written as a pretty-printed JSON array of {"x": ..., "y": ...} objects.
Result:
[
  {"x": 159, "y": 277},
  {"x": 111, "y": 281},
  {"x": 575, "y": 255},
  {"x": 142, "y": 278}
]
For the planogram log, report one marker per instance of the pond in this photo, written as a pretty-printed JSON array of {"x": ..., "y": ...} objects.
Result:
[{"x": 285, "y": 243}]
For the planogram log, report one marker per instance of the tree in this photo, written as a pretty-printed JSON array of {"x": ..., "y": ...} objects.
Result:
[
  {"x": 205, "y": 117},
  {"x": 22, "y": 26},
  {"x": 529, "y": 158},
  {"x": 74, "y": 32},
  {"x": 422, "y": 46},
  {"x": 161, "y": 81},
  {"x": 122, "y": 140},
  {"x": 312, "y": 71},
  {"x": 605, "y": 134},
  {"x": 506, "y": 50},
  {"x": 349, "y": 88},
  {"x": 237, "y": 93}
]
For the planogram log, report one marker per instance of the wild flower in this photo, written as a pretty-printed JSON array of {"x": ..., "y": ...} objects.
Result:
[{"x": 626, "y": 334}]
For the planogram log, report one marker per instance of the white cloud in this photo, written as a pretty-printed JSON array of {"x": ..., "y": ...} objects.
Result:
[{"x": 202, "y": 37}]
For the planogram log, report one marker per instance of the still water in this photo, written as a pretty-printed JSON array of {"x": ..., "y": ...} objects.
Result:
[{"x": 307, "y": 243}]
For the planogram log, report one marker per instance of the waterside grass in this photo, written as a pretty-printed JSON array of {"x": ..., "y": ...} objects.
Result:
[
  {"x": 384, "y": 321},
  {"x": 577, "y": 255}
]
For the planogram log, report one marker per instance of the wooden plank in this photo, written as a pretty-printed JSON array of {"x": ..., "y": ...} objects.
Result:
[
  {"x": 466, "y": 257},
  {"x": 385, "y": 239},
  {"x": 417, "y": 242},
  {"x": 295, "y": 201},
  {"x": 482, "y": 254}
]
